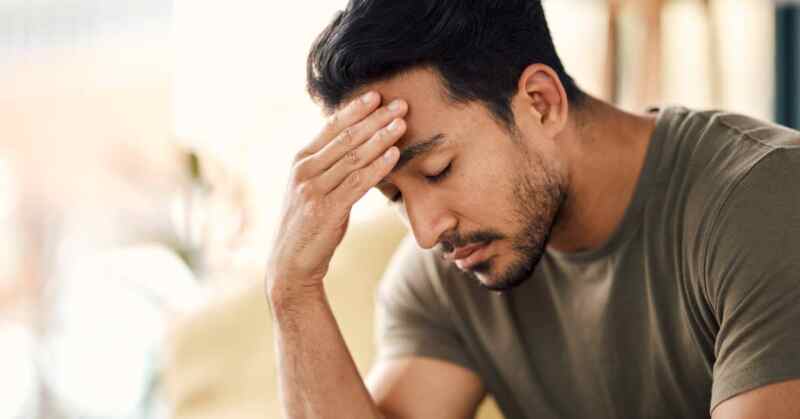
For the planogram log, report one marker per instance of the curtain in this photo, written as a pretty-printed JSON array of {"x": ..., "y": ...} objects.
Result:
[{"x": 787, "y": 69}]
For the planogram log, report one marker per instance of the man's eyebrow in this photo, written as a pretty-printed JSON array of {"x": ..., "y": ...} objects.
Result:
[{"x": 411, "y": 152}]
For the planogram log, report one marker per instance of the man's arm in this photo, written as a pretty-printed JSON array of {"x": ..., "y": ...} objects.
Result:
[
  {"x": 753, "y": 287},
  {"x": 417, "y": 387},
  {"x": 775, "y": 401},
  {"x": 318, "y": 378},
  {"x": 317, "y": 375},
  {"x": 354, "y": 151}
]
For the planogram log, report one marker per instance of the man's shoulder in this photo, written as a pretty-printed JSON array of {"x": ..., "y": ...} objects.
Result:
[
  {"x": 767, "y": 189},
  {"x": 757, "y": 225},
  {"x": 764, "y": 132},
  {"x": 711, "y": 152},
  {"x": 702, "y": 134},
  {"x": 706, "y": 157},
  {"x": 730, "y": 146}
]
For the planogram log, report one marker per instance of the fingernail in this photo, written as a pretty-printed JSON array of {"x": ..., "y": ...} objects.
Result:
[
  {"x": 394, "y": 125},
  {"x": 368, "y": 98},
  {"x": 395, "y": 105},
  {"x": 389, "y": 155}
]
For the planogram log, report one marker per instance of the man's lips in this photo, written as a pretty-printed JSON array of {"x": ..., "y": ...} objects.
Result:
[{"x": 467, "y": 256}]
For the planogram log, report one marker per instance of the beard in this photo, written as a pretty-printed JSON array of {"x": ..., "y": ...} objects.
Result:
[{"x": 537, "y": 199}]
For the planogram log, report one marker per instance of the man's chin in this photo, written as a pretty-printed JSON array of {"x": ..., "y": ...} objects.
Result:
[
  {"x": 496, "y": 277},
  {"x": 487, "y": 276}
]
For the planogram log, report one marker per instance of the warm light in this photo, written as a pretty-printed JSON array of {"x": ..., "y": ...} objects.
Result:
[{"x": 18, "y": 383}]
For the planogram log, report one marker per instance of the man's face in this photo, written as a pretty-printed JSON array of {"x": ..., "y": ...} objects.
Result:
[{"x": 488, "y": 199}]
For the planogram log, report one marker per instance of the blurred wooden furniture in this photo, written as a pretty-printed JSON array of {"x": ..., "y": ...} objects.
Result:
[{"x": 648, "y": 76}]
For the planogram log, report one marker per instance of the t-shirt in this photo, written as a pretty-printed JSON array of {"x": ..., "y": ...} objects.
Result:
[{"x": 693, "y": 299}]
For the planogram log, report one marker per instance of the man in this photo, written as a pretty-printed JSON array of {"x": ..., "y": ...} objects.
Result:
[{"x": 649, "y": 264}]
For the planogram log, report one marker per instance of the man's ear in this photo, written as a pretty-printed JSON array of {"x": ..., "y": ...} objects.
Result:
[{"x": 543, "y": 97}]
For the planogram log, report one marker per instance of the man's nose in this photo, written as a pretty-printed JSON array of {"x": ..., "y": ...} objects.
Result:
[{"x": 429, "y": 220}]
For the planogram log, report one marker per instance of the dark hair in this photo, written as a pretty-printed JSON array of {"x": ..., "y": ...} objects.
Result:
[{"x": 479, "y": 48}]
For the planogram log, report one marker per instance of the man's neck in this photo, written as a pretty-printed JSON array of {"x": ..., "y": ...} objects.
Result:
[{"x": 606, "y": 151}]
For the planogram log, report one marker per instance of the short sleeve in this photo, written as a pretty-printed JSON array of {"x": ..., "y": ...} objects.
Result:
[
  {"x": 753, "y": 278},
  {"x": 413, "y": 318}
]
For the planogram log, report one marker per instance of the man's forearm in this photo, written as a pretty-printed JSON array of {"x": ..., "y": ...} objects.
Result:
[{"x": 317, "y": 375}]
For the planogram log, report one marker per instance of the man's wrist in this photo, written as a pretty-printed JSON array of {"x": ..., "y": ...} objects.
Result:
[{"x": 286, "y": 295}]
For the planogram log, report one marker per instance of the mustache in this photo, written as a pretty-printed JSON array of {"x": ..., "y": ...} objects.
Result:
[{"x": 453, "y": 240}]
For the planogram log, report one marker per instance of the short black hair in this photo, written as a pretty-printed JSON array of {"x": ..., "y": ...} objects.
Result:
[{"x": 479, "y": 48}]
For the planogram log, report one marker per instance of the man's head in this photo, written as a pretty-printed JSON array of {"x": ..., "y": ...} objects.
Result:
[
  {"x": 479, "y": 48},
  {"x": 488, "y": 97}
]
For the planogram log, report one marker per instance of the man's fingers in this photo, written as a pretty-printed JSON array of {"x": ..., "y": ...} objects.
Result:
[
  {"x": 362, "y": 156},
  {"x": 344, "y": 146},
  {"x": 352, "y": 113},
  {"x": 359, "y": 182}
]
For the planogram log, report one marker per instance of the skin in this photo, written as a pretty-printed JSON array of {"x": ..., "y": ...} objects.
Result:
[
  {"x": 316, "y": 374},
  {"x": 547, "y": 182},
  {"x": 546, "y": 185},
  {"x": 774, "y": 401}
]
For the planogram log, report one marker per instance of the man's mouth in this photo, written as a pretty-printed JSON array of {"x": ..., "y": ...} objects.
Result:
[{"x": 468, "y": 256}]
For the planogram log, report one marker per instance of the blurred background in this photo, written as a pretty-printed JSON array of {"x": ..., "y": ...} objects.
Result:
[{"x": 145, "y": 146}]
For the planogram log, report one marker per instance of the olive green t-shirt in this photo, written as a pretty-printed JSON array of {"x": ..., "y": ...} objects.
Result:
[{"x": 694, "y": 298}]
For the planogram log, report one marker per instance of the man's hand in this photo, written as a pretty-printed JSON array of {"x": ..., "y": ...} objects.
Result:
[
  {"x": 316, "y": 373},
  {"x": 354, "y": 151}
]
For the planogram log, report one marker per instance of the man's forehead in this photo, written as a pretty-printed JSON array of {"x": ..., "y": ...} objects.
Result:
[
  {"x": 427, "y": 112},
  {"x": 421, "y": 88}
]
